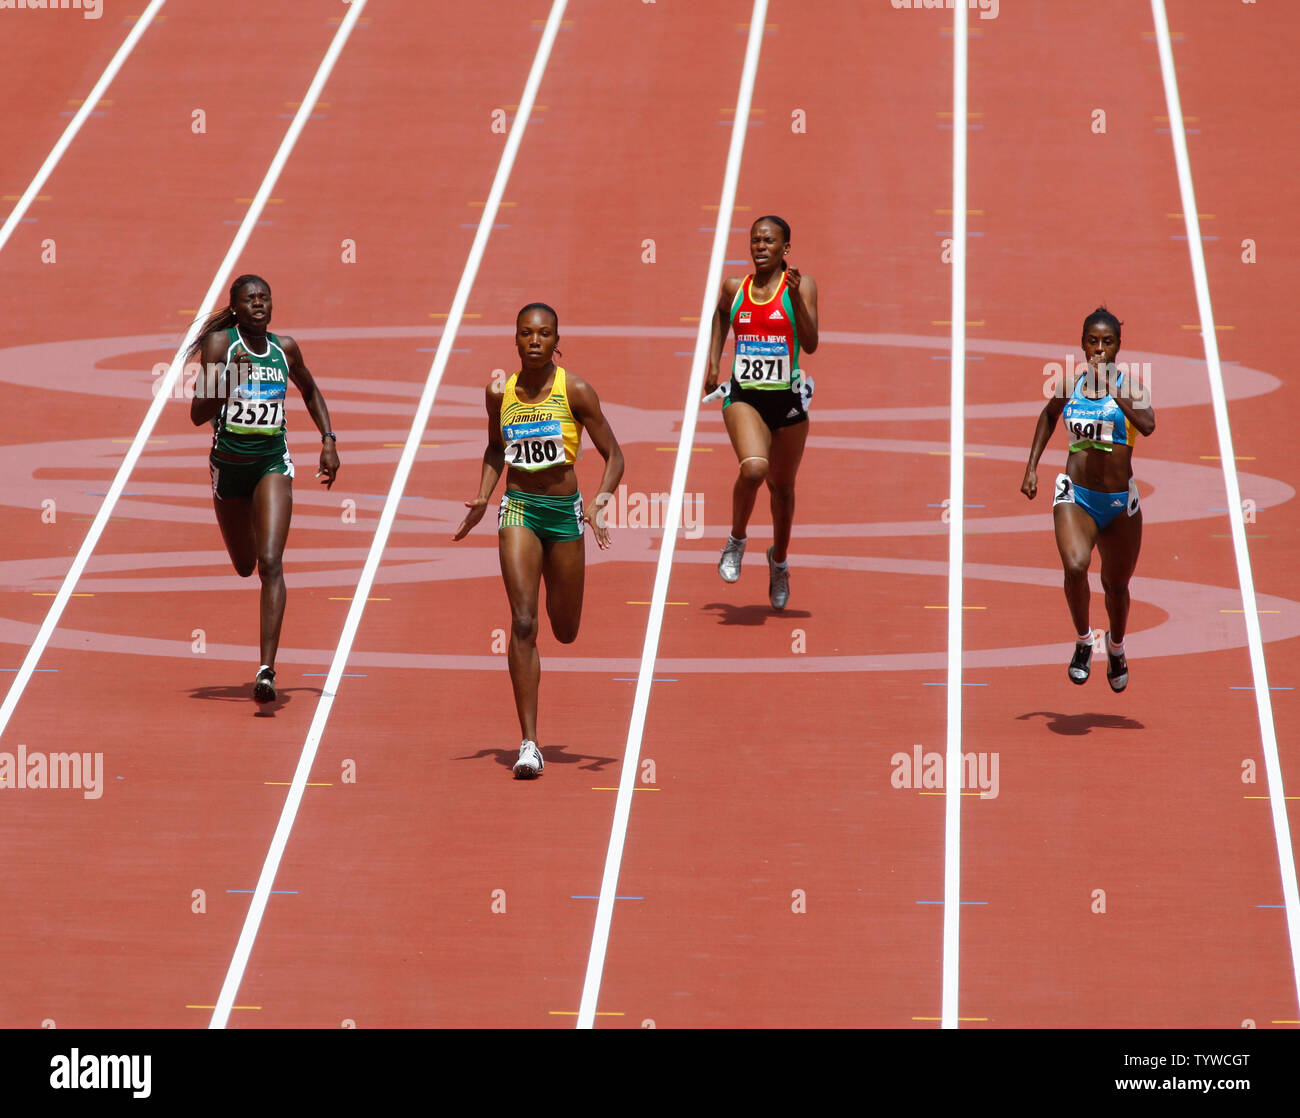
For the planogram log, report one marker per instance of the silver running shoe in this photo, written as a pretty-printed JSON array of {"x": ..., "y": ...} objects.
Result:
[
  {"x": 778, "y": 583},
  {"x": 530, "y": 763},
  {"x": 729, "y": 564}
]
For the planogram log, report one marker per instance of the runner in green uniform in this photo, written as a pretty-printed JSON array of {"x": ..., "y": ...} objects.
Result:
[
  {"x": 535, "y": 423},
  {"x": 241, "y": 392}
]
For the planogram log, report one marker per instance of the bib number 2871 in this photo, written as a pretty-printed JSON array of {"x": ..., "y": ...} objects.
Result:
[{"x": 763, "y": 365}]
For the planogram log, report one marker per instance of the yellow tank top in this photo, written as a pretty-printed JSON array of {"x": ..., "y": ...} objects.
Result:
[{"x": 539, "y": 436}]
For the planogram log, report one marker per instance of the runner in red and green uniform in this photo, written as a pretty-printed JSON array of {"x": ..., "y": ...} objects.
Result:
[
  {"x": 774, "y": 316},
  {"x": 241, "y": 391}
]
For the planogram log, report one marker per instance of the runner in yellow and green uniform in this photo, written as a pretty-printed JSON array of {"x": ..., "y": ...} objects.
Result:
[{"x": 535, "y": 424}]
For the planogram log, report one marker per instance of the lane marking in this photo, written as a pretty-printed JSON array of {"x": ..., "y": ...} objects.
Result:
[
  {"x": 1240, "y": 548},
  {"x": 257, "y": 907},
  {"x": 74, "y": 125},
  {"x": 168, "y": 383},
  {"x": 672, "y": 521},
  {"x": 956, "y": 528}
]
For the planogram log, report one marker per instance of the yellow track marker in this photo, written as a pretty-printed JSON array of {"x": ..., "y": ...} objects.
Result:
[
  {"x": 1180, "y": 217},
  {"x": 948, "y": 322},
  {"x": 574, "y": 1013},
  {"x": 940, "y": 1018},
  {"x": 963, "y": 607},
  {"x": 133, "y": 440},
  {"x": 944, "y": 794},
  {"x": 1265, "y": 797},
  {"x": 214, "y": 1007},
  {"x": 665, "y": 603},
  {"x": 1238, "y": 457},
  {"x": 1196, "y": 326},
  {"x": 271, "y": 201},
  {"x": 368, "y": 599},
  {"x": 310, "y": 783},
  {"x": 54, "y": 593},
  {"x": 1243, "y": 611},
  {"x": 502, "y": 204}
]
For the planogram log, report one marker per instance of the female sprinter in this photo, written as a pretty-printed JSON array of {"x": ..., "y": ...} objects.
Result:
[
  {"x": 241, "y": 392},
  {"x": 774, "y": 315},
  {"x": 1096, "y": 499},
  {"x": 535, "y": 423}
]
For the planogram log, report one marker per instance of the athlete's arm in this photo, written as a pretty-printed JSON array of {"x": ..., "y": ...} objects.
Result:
[
  {"x": 1042, "y": 433},
  {"x": 1134, "y": 399},
  {"x": 803, "y": 298},
  {"x": 311, "y": 396},
  {"x": 208, "y": 394},
  {"x": 721, "y": 327},
  {"x": 586, "y": 410},
  {"x": 494, "y": 461}
]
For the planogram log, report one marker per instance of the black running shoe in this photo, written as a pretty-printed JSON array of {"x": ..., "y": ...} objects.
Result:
[
  {"x": 1081, "y": 665},
  {"x": 1116, "y": 669},
  {"x": 264, "y": 686}
]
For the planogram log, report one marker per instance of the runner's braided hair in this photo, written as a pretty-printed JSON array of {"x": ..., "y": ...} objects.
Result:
[{"x": 222, "y": 319}]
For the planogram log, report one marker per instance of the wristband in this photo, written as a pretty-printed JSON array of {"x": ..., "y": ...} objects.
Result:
[{"x": 329, "y": 435}]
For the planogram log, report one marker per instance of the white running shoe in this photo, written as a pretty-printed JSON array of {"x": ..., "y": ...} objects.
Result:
[
  {"x": 729, "y": 564},
  {"x": 778, "y": 583},
  {"x": 530, "y": 763}
]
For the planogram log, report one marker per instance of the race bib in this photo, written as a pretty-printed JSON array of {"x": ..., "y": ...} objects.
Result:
[
  {"x": 534, "y": 446},
  {"x": 255, "y": 415},
  {"x": 1091, "y": 432},
  {"x": 762, "y": 364}
]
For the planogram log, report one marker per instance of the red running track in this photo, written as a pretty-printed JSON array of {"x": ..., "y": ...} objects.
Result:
[{"x": 773, "y": 738}]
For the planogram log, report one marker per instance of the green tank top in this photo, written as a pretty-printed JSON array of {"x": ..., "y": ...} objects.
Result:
[{"x": 251, "y": 421}]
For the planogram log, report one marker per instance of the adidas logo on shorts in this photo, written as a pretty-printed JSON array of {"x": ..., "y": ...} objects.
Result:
[{"x": 792, "y": 413}]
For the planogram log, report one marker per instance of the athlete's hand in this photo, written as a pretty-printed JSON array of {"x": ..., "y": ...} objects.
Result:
[
  {"x": 1029, "y": 487},
  {"x": 476, "y": 509},
  {"x": 710, "y": 379},
  {"x": 329, "y": 463},
  {"x": 792, "y": 281},
  {"x": 595, "y": 516}
]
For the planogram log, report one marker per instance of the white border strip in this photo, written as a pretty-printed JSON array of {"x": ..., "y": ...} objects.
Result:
[
  {"x": 82, "y": 115},
  {"x": 956, "y": 530},
  {"x": 167, "y": 384},
  {"x": 253, "y": 921},
  {"x": 1263, "y": 700},
  {"x": 640, "y": 706}
]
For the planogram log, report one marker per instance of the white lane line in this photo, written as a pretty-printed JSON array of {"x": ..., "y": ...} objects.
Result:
[
  {"x": 74, "y": 126},
  {"x": 168, "y": 383},
  {"x": 956, "y": 528},
  {"x": 658, "y": 599},
  {"x": 253, "y": 921},
  {"x": 1263, "y": 700}
]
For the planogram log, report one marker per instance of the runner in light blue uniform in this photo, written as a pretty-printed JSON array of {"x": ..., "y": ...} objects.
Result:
[{"x": 1096, "y": 488}]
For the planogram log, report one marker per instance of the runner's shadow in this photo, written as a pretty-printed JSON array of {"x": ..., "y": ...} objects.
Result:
[
  {"x": 551, "y": 754},
  {"x": 243, "y": 693},
  {"x": 1074, "y": 725},
  {"x": 729, "y": 614}
]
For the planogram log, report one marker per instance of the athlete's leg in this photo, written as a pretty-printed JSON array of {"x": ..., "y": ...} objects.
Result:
[
  {"x": 564, "y": 566},
  {"x": 752, "y": 441},
  {"x": 787, "y": 452},
  {"x": 1118, "y": 547},
  {"x": 521, "y": 568},
  {"x": 272, "y": 508},
  {"x": 1076, "y": 532},
  {"x": 235, "y": 519}
]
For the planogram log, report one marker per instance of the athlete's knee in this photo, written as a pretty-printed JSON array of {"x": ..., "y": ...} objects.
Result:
[
  {"x": 270, "y": 566},
  {"x": 781, "y": 491},
  {"x": 523, "y": 625},
  {"x": 753, "y": 470},
  {"x": 1076, "y": 565},
  {"x": 565, "y": 632},
  {"x": 1114, "y": 587}
]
